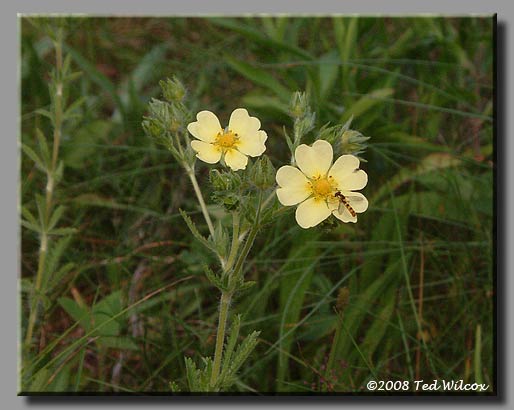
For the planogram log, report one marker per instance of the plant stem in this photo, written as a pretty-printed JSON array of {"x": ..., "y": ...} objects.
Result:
[
  {"x": 248, "y": 244},
  {"x": 225, "y": 299},
  {"x": 35, "y": 298},
  {"x": 236, "y": 218},
  {"x": 199, "y": 196},
  {"x": 50, "y": 185}
]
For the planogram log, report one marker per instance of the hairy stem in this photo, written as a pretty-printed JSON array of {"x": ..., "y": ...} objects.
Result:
[
  {"x": 225, "y": 299},
  {"x": 37, "y": 287},
  {"x": 248, "y": 244},
  {"x": 234, "y": 247},
  {"x": 199, "y": 196}
]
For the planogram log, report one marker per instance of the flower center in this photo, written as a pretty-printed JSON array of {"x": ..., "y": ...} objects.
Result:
[
  {"x": 226, "y": 139},
  {"x": 323, "y": 187}
]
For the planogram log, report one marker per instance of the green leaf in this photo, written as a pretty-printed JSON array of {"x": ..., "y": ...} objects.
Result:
[
  {"x": 243, "y": 351},
  {"x": 366, "y": 103},
  {"x": 28, "y": 216},
  {"x": 118, "y": 343},
  {"x": 260, "y": 77},
  {"x": 41, "y": 210},
  {"x": 267, "y": 104},
  {"x": 55, "y": 252},
  {"x": 379, "y": 326},
  {"x": 45, "y": 113},
  {"x": 432, "y": 163},
  {"x": 34, "y": 157},
  {"x": 74, "y": 107},
  {"x": 31, "y": 227},
  {"x": 104, "y": 311},
  {"x": 192, "y": 227},
  {"x": 295, "y": 282},
  {"x": 328, "y": 74},
  {"x": 56, "y": 216},
  {"x": 258, "y": 37},
  {"x": 192, "y": 374},
  {"x": 215, "y": 279},
  {"x": 43, "y": 147},
  {"x": 78, "y": 313},
  {"x": 63, "y": 231}
]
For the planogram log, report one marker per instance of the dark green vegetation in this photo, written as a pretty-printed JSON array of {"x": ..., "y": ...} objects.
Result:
[{"x": 405, "y": 294}]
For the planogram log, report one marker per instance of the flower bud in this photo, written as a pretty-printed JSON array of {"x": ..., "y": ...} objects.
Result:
[
  {"x": 262, "y": 173},
  {"x": 153, "y": 127},
  {"x": 172, "y": 89},
  {"x": 299, "y": 105},
  {"x": 353, "y": 142},
  {"x": 225, "y": 180}
]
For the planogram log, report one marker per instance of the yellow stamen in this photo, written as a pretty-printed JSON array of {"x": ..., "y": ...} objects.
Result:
[
  {"x": 226, "y": 139},
  {"x": 323, "y": 188}
]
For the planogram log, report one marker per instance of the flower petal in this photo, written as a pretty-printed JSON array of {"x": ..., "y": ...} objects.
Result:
[
  {"x": 241, "y": 123},
  {"x": 293, "y": 186},
  {"x": 291, "y": 177},
  {"x": 351, "y": 182},
  {"x": 235, "y": 160},
  {"x": 206, "y": 152},
  {"x": 289, "y": 197},
  {"x": 357, "y": 201},
  {"x": 311, "y": 212},
  {"x": 347, "y": 174},
  {"x": 345, "y": 216},
  {"x": 316, "y": 160},
  {"x": 206, "y": 128},
  {"x": 252, "y": 144}
]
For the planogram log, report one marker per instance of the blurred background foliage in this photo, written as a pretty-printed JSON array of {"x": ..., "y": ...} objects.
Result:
[{"x": 406, "y": 293}]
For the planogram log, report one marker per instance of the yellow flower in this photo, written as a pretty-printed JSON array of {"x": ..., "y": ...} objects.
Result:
[
  {"x": 242, "y": 138},
  {"x": 320, "y": 188}
]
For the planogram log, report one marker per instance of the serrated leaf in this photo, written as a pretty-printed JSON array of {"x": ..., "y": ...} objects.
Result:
[
  {"x": 246, "y": 285},
  {"x": 214, "y": 279},
  {"x": 192, "y": 374},
  {"x": 192, "y": 227},
  {"x": 229, "y": 349},
  {"x": 243, "y": 351}
]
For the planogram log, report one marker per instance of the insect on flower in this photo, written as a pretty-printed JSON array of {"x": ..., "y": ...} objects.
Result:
[{"x": 321, "y": 188}]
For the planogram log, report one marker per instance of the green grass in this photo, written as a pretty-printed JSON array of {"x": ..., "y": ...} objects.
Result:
[{"x": 125, "y": 299}]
